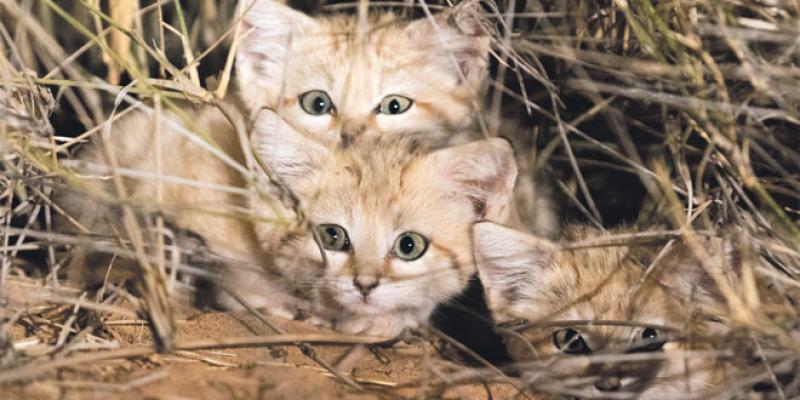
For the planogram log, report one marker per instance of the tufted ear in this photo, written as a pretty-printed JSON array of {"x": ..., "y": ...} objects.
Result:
[
  {"x": 459, "y": 34},
  {"x": 483, "y": 171},
  {"x": 294, "y": 157},
  {"x": 509, "y": 264},
  {"x": 268, "y": 29}
]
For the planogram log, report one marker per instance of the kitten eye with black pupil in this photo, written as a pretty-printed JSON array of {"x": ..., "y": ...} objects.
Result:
[
  {"x": 570, "y": 341},
  {"x": 649, "y": 333},
  {"x": 410, "y": 246},
  {"x": 649, "y": 336},
  {"x": 319, "y": 104},
  {"x": 316, "y": 102},
  {"x": 394, "y": 104},
  {"x": 333, "y": 237},
  {"x": 332, "y": 233}
]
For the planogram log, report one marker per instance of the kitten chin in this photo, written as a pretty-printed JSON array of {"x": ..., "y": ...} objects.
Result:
[
  {"x": 388, "y": 318},
  {"x": 387, "y": 325}
]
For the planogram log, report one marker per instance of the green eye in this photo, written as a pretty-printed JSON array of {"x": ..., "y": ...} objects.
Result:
[
  {"x": 333, "y": 237},
  {"x": 570, "y": 341},
  {"x": 316, "y": 102},
  {"x": 410, "y": 246},
  {"x": 394, "y": 104}
]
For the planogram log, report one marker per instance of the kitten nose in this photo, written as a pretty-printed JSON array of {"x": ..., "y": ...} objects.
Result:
[
  {"x": 365, "y": 283},
  {"x": 349, "y": 133},
  {"x": 608, "y": 384}
]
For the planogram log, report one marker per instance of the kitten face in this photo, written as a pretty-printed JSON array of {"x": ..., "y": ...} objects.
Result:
[
  {"x": 394, "y": 220},
  {"x": 330, "y": 80},
  {"x": 572, "y": 303}
]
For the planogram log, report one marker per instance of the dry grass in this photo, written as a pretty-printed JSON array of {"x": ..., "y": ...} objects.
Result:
[{"x": 685, "y": 112}]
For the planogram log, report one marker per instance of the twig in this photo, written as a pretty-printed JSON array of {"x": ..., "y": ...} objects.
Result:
[{"x": 35, "y": 369}]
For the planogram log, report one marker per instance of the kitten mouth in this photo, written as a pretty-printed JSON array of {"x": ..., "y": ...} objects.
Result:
[
  {"x": 633, "y": 385},
  {"x": 364, "y": 307}
]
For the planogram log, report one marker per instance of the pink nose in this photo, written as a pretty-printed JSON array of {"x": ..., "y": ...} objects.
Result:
[{"x": 366, "y": 283}]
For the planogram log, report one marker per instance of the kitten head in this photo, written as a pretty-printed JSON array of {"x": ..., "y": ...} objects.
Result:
[
  {"x": 394, "y": 220},
  {"x": 563, "y": 310},
  {"x": 334, "y": 79}
]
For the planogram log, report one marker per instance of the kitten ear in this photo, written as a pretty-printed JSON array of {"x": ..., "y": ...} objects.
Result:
[
  {"x": 459, "y": 34},
  {"x": 509, "y": 264},
  {"x": 483, "y": 171},
  {"x": 292, "y": 156},
  {"x": 268, "y": 29}
]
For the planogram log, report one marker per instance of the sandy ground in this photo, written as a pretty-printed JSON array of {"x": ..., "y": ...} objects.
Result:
[{"x": 408, "y": 369}]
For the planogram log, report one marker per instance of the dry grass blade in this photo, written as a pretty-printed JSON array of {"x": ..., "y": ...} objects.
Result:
[
  {"x": 123, "y": 13},
  {"x": 37, "y": 368}
]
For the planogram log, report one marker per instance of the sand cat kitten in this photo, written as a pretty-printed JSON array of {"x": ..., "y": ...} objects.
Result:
[
  {"x": 557, "y": 308},
  {"x": 332, "y": 79},
  {"x": 394, "y": 220}
]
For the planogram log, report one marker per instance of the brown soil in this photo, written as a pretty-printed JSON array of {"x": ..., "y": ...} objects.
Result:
[{"x": 411, "y": 369}]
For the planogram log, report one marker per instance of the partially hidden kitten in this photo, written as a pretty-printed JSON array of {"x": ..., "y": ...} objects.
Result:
[
  {"x": 589, "y": 322},
  {"x": 336, "y": 78}
]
